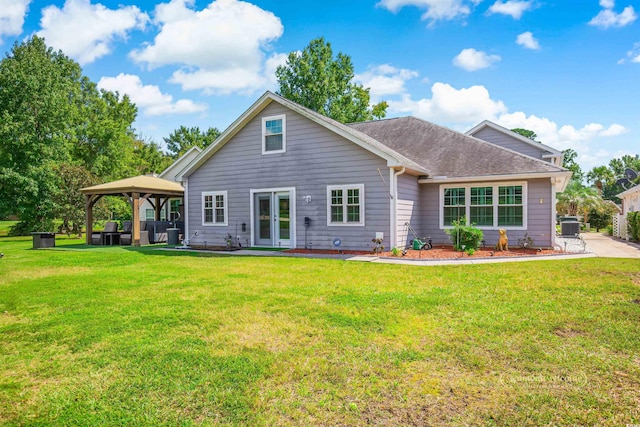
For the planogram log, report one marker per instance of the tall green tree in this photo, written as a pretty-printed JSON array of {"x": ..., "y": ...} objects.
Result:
[
  {"x": 184, "y": 138},
  {"x": 317, "y": 80},
  {"x": 50, "y": 115},
  {"x": 620, "y": 164},
  {"x": 526, "y": 133},
  {"x": 103, "y": 140},
  {"x": 148, "y": 157},
  {"x": 577, "y": 199},
  {"x": 604, "y": 180},
  {"x": 604, "y": 177},
  {"x": 569, "y": 161}
]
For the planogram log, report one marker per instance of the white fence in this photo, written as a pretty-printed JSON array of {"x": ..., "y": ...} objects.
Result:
[{"x": 620, "y": 226}]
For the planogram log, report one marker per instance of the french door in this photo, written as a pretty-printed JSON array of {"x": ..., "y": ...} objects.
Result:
[{"x": 273, "y": 219}]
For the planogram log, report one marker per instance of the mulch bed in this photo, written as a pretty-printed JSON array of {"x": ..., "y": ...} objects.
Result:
[{"x": 439, "y": 252}]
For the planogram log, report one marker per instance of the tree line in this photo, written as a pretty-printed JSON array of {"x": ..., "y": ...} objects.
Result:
[{"x": 59, "y": 132}]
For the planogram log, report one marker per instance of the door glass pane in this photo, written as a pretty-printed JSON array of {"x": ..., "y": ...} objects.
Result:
[
  {"x": 264, "y": 206},
  {"x": 283, "y": 208}
]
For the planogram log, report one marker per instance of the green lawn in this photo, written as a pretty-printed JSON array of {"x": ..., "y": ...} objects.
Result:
[
  {"x": 5, "y": 226},
  {"x": 123, "y": 336}
]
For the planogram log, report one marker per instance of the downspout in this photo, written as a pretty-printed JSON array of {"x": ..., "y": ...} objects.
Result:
[
  {"x": 553, "y": 211},
  {"x": 394, "y": 206},
  {"x": 185, "y": 199}
]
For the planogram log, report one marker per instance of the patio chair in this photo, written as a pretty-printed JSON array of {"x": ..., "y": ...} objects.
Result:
[
  {"x": 126, "y": 237},
  {"x": 97, "y": 238}
]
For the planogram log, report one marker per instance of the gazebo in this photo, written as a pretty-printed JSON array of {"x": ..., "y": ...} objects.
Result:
[{"x": 136, "y": 189}]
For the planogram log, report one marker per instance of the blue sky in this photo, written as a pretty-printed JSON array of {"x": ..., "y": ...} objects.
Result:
[{"x": 569, "y": 70}]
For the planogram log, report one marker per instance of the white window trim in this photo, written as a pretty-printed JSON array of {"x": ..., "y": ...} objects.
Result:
[
  {"x": 284, "y": 134},
  {"x": 213, "y": 194},
  {"x": 495, "y": 185},
  {"x": 344, "y": 189}
]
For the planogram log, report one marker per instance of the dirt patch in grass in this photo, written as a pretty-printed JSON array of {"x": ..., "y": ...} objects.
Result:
[{"x": 568, "y": 332}]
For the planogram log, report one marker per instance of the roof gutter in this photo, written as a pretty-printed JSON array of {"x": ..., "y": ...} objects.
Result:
[{"x": 445, "y": 179}]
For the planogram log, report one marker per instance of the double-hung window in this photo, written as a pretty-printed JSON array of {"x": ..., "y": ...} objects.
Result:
[
  {"x": 274, "y": 134},
  {"x": 510, "y": 207},
  {"x": 481, "y": 206},
  {"x": 345, "y": 204},
  {"x": 214, "y": 208},
  {"x": 485, "y": 205},
  {"x": 454, "y": 204}
]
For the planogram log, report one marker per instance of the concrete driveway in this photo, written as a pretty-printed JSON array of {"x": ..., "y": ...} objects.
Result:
[{"x": 605, "y": 246}]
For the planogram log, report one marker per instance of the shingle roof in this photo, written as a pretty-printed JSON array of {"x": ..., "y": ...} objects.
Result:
[{"x": 446, "y": 152}]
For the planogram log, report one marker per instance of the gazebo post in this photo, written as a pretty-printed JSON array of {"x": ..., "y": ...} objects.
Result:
[
  {"x": 88, "y": 209},
  {"x": 135, "y": 226},
  {"x": 158, "y": 208}
]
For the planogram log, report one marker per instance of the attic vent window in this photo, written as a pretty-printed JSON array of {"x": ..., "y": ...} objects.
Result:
[{"x": 274, "y": 134}]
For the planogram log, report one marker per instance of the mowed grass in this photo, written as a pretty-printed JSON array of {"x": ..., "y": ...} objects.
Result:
[{"x": 125, "y": 336}]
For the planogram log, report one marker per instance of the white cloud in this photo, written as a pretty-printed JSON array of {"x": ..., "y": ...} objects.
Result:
[
  {"x": 513, "y": 8},
  {"x": 220, "y": 49},
  {"x": 473, "y": 60},
  {"x": 449, "y": 105},
  {"x": 384, "y": 80},
  {"x": 527, "y": 41},
  {"x": 633, "y": 55},
  {"x": 12, "y": 16},
  {"x": 562, "y": 137},
  {"x": 607, "y": 4},
  {"x": 608, "y": 18},
  {"x": 436, "y": 10},
  {"x": 149, "y": 98},
  {"x": 85, "y": 31},
  {"x": 614, "y": 130}
]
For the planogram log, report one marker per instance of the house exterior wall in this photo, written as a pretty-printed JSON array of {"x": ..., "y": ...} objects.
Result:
[
  {"x": 540, "y": 216},
  {"x": 498, "y": 138},
  {"x": 407, "y": 205},
  {"x": 631, "y": 202},
  {"x": 315, "y": 157}
]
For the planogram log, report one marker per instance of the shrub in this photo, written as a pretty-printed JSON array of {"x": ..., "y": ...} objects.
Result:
[
  {"x": 526, "y": 241},
  {"x": 610, "y": 229},
  {"x": 465, "y": 237},
  {"x": 633, "y": 223}
]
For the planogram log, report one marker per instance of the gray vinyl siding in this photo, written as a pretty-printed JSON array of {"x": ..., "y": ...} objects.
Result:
[
  {"x": 429, "y": 212},
  {"x": 506, "y": 141},
  {"x": 407, "y": 207},
  {"x": 315, "y": 158},
  {"x": 539, "y": 215},
  {"x": 541, "y": 220}
]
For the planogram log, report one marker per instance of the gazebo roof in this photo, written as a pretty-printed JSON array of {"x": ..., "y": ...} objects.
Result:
[{"x": 143, "y": 184}]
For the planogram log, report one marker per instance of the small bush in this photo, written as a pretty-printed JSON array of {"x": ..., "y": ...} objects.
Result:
[
  {"x": 633, "y": 223},
  {"x": 396, "y": 251},
  {"x": 465, "y": 237},
  {"x": 610, "y": 229},
  {"x": 526, "y": 241}
]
